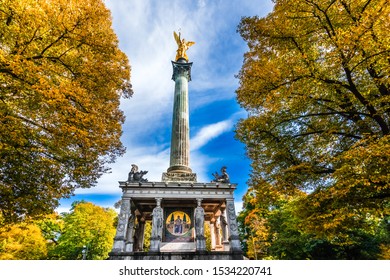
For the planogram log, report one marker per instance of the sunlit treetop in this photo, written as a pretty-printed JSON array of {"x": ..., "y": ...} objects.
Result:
[{"x": 61, "y": 76}]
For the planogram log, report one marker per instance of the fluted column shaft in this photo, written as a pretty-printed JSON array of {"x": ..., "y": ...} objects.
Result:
[{"x": 180, "y": 142}]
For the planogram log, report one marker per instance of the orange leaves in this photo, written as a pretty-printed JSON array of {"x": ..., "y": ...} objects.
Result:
[{"x": 62, "y": 76}]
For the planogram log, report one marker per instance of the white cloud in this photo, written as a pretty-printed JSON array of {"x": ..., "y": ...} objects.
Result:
[{"x": 210, "y": 132}]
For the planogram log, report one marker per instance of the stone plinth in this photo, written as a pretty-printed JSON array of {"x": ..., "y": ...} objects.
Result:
[
  {"x": 177, "y": 256},
  {"x": 177, "y": 247},
  {"x": 178, "y": 177}
]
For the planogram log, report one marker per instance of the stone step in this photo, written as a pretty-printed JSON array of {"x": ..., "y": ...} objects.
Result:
[{"x": 177, "y": 247}]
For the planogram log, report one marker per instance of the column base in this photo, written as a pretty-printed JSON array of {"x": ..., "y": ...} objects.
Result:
[{"x": 179, "y": 169}]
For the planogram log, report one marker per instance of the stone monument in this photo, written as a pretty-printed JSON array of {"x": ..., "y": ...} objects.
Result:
[{"x": 178, "y": 207}]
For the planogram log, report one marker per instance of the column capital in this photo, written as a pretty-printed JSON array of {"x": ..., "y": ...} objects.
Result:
[{"x": 182, "y": 69}]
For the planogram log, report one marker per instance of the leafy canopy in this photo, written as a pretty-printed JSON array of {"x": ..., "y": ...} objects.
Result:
[
  {"x": 87, "y": 227},
  {"x": 315, "y": 82},
  {"x": 61, "y": 79}
]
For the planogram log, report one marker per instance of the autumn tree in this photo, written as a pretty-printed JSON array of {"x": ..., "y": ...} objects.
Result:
[
  {"x": 278, "y": 232},
  {"x": 22, "y": 241},
  {"x": 87, "y": 227},
  {"x": 51, "y": 226},
  {"x": 315, "y": 82},
  {"x": 61, "y": 79}
]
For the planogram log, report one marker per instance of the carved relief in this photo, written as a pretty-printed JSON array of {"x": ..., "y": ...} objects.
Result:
[{"x": 123, "y": 216}]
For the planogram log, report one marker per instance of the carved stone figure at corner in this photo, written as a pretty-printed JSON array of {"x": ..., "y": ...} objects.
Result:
[
  {"x": 223, "y": 178},
  {"x": 135, "y": 175},
  {"x": 199, "y": 221},
  {"x": 157, "y": 222}
]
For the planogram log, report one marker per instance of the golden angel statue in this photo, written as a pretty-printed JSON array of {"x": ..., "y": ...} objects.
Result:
[{"x": 182, "y": 46}]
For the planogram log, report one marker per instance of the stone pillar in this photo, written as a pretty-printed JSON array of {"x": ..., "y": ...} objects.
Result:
[
  {"x": 140, "y": 234},
  {"x": 234, "y": 238},
  {"x": 122, "y": 227},
  {"x": 129, "y": 244},
  {"x": 218, "y": 245},
  {"x": 199, "y": 227},
  {"x": 157, "y": 225},
  {"x": 217, "y": 230},
  {"x": 212, "y": 233},
  {"x": 224, "y": 228}
]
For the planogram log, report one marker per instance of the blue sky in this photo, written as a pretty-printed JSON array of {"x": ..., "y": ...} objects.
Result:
[{"x": 145, "y": 33}]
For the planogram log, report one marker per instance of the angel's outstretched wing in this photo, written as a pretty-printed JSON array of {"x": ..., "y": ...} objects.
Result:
[{"x": 177, "y": 38}]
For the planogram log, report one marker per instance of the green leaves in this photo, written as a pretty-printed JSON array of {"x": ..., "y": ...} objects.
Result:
[{"x": 88, "y": 226}]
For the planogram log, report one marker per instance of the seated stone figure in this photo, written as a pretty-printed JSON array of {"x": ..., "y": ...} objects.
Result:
[
  {"x": 223, "y": 178},
  {"x": 135, "y": 175}
]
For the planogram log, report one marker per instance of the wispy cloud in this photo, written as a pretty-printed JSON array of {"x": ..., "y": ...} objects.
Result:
[{"x": 210, "y": 132}]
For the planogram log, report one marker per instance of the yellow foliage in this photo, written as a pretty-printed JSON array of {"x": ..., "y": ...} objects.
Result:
[
  {"x": 22, "y": 242},
  {"x": 385, "y": 252},
  {"x": 62, "y": 77}
]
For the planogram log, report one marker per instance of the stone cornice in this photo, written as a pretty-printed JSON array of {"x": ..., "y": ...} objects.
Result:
[
  {"x": 189, "y": 185},
  {"x": 177, "y": 190}
]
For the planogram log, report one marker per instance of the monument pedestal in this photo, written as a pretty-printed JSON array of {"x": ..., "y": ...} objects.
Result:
[{"x": 150, "y": 201}]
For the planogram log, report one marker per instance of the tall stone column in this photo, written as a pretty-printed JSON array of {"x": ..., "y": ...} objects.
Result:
[
  {"x": 157, "y": 224},
  {"x": 122, "y": 227},
  {"x": 234, "y": 238},
  {"x": 179, "y": 169}
]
